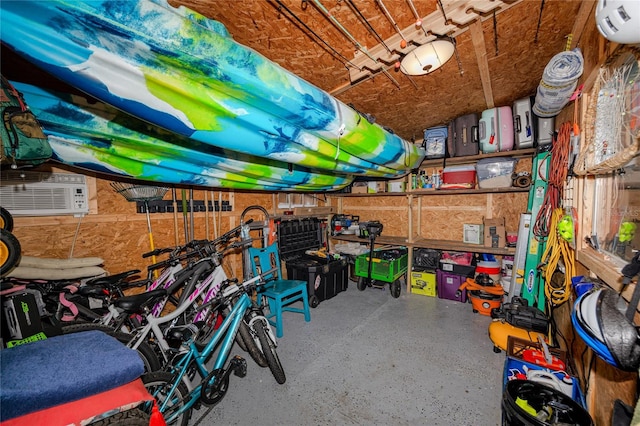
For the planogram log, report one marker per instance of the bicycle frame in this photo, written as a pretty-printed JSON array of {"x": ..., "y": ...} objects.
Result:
[
  {"x": 217, "y": 277},
  {"x": 167, "y": 277},
  {"x": 224, "y": 338}
]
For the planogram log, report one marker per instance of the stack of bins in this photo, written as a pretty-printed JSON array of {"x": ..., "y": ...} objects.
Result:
[
  {"x": 423, "y": 272},
  {"x": 453, "y": 270},
  {"x": 325, "y": 276}
]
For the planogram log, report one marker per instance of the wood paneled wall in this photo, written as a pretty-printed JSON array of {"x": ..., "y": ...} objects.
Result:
[{"x": 118, "y": 234}]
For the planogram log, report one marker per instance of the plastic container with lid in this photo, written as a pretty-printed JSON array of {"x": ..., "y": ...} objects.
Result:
[
  {"x": 495, "y": 172},
  {"x": 459, "y": 177}
]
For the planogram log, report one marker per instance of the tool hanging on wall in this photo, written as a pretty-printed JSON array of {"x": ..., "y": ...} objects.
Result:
[
  {"x": 557, "y": 291},
  {"x": 558, "y": 171},
  {"x": 213, "y": 216},
  {"x": 184, "y": 214},
  {"x": 143, "y": 194},
  {"x": 206, "y": 216},
  {"x": 357, "y": 44},
  {"x": 345, "y": 61},
  {"x": 174, "y": 204}
]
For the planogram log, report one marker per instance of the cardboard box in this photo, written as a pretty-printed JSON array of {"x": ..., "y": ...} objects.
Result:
[
  {"x": 359, "y": 188},
  {"x": 495, "y": 232},
  {"x": 423, "y": 283},
  {"x": 377, "y": 187},
  {"x": 472, "y": 233},
  {"x": 397, "y": 185}
]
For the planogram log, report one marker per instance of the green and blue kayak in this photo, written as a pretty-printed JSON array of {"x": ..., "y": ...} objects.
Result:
[
  {"x": 183, "y": 72},
  {"x": 95, "y": 136}
]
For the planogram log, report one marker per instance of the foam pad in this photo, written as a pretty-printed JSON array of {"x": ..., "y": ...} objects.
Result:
[
  {"x": 31, "y": 273},
  {"x": 51, "y": 263},
  {"x": 62, "y": 369}
]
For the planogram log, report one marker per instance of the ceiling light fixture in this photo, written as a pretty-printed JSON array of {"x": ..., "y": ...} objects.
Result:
[{"x": 427, "y": 58}]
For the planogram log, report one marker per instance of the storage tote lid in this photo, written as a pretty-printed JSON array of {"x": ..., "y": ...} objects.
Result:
[{"x": 453, "y": 169}]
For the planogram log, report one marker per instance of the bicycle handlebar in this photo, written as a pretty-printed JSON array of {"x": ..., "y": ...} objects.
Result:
[
  {"x": 157, "y": 252},
  {"x": 231, "y": 233},
  {"x": 207, "y": 246},
  {"x": 247, "y": 283},
  {"x": 229, "y": 291}
]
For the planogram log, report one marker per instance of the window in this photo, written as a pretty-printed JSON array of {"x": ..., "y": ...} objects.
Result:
[
  {"x": 616, "y": 212},
  {"x": 609, "y": 151},
  {"x": 289, "y": 201}
]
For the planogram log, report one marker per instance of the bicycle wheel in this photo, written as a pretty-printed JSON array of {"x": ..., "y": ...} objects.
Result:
[
  {"x": 133, "y": 417},
  {"x": 269, "y": 351},
  {"x": 149, "y": 358},
  {"x": 158, "y": 384},
  {"x": 244, "y": 333}
]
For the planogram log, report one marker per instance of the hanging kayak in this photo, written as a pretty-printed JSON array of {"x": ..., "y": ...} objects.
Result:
[
  {"x": 98, "y": 137},
  {"x": 176, "y": 69}
]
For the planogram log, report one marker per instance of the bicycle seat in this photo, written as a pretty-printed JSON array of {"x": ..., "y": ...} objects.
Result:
[
  {"x": 134, "y": 303},
  {"x": 111, "y": 280},
  {"x": 91, "y": 291}
]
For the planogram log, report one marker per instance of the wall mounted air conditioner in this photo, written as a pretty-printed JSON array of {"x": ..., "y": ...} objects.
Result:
[{"x": 43, "y": 194}]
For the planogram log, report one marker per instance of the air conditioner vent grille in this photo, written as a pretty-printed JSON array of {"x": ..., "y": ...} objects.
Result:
[{"x": 43, "y": 194}]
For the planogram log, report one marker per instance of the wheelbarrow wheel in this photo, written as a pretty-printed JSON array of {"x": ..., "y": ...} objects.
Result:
[
  {"x": 394, "y": 288},
  {"x": 10, "y": 251},
  {"x": 362, "y": 283},
  {"x": 6, "y": 220}
]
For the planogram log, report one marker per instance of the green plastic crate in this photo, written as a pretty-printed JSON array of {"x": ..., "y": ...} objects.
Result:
[{"x": 382, "y": 269}]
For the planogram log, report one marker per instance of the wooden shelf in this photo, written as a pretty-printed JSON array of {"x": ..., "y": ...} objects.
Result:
[
  {"x": 429, "y": 192},
  {"x": 439, "y": 162},
  {"x": 428, "y": 243}
]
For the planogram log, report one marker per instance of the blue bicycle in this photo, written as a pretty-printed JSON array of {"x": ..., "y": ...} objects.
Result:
[{"x": 188, "y": 381}]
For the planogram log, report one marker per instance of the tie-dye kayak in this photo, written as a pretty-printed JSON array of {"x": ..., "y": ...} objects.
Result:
[
  {"x": 95, "y": 136},
  {"x": 178, "y": 70}
]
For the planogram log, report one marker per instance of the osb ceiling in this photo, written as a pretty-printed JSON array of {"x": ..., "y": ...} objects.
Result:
[
  {"x": 499, "y": 56},
  {"x": 508, "y": 58}
]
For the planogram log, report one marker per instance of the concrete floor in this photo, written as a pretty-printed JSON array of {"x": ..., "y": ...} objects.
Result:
[{"x": 368, "y": 359}]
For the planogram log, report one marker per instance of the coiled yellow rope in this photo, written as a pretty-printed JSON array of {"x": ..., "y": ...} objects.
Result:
[{"x": 558, "y": 249}]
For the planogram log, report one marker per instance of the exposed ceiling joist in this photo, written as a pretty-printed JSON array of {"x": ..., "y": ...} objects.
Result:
[
  {"x": 477, "y": 37},
  {"x": 581, "y": 21}
]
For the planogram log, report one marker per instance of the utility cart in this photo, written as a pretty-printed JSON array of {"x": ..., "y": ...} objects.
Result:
[{"x": 382, "y": 266}]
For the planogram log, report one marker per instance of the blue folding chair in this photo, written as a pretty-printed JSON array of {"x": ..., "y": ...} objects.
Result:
[{"x": 278, "y": 292}]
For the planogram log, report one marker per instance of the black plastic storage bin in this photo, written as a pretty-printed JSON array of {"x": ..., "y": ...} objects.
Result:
[
  {"x": 325, "y": 280},
  {"x": 325, "y": 277}
]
